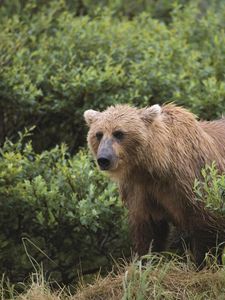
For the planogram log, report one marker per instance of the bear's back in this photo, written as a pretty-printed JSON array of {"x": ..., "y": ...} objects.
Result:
[{"x": 216, "y": 130}]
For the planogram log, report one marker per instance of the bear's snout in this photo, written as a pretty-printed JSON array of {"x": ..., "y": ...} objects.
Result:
[
  {"x": 104, "y": 163},
  {"x": 106, "y": 157}
]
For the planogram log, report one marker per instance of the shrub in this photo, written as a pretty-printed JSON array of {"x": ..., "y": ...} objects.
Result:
[
  {"x": 130, "y": 8},
  {"x": 55, "y": 63},
  {"x": 57, "y": 211},
  {"x": 211, "y": 190}
]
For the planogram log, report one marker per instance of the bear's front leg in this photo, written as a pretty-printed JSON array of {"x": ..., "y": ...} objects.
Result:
[
  {"x": 148, "y": 227},
  {"x": 148, "y": 234},
  {"x": 141, "y": 235}
]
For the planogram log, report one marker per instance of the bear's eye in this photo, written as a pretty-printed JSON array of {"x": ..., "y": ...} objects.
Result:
[
  {"x": 118, "y": 134},
  {"x": 99, "y": 135}
]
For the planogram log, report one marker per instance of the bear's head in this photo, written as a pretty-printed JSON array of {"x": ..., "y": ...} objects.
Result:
[{"x": 118, "y": 136}]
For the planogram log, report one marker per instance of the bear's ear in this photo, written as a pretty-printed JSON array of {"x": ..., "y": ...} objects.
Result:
[
  {"x": 90, "y": 116},
  {"x": 150, "y": 113}
]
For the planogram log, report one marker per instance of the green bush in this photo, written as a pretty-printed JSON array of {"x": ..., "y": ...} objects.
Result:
[
  {"x": 159, "y": 9},
  {"x": 211, "y": 190},
  {"x": 57, "y": 211},
  {"x": 55, "y": 63}
]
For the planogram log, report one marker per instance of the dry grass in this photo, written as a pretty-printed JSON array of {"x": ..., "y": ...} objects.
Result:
[
  {"x": 171, "y": 279},
  {"x": 157, "y": 279},
  {"x": 110, "y": 287}
]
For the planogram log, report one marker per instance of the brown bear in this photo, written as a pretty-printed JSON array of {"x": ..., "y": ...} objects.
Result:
[{"x": 155, "y": 154}]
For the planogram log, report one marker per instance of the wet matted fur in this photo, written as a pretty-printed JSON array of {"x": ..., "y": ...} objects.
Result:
[{"x": 155, "y": 154}]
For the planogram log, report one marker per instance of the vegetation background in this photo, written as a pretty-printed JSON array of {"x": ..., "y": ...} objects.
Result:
[{"x": 59, "y": 58}]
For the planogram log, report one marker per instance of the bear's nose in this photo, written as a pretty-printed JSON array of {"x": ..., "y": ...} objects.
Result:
[{"x": 103, "y": 163}]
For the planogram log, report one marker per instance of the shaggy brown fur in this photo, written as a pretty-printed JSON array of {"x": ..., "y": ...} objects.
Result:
[{"x": 155, "y": 158}]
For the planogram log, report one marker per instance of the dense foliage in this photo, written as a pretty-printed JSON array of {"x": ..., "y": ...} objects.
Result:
[
  {"x": 211, "y": 190},
  {"x": 56, "y": 61},
  {"x": 58, "y": 212}
]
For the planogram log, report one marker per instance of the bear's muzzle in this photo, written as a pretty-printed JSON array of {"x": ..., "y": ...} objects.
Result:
[{"x": 106, "y": 157}]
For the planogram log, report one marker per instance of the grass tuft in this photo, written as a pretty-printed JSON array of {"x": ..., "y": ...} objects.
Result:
[{"x": 152, "y": 277}]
